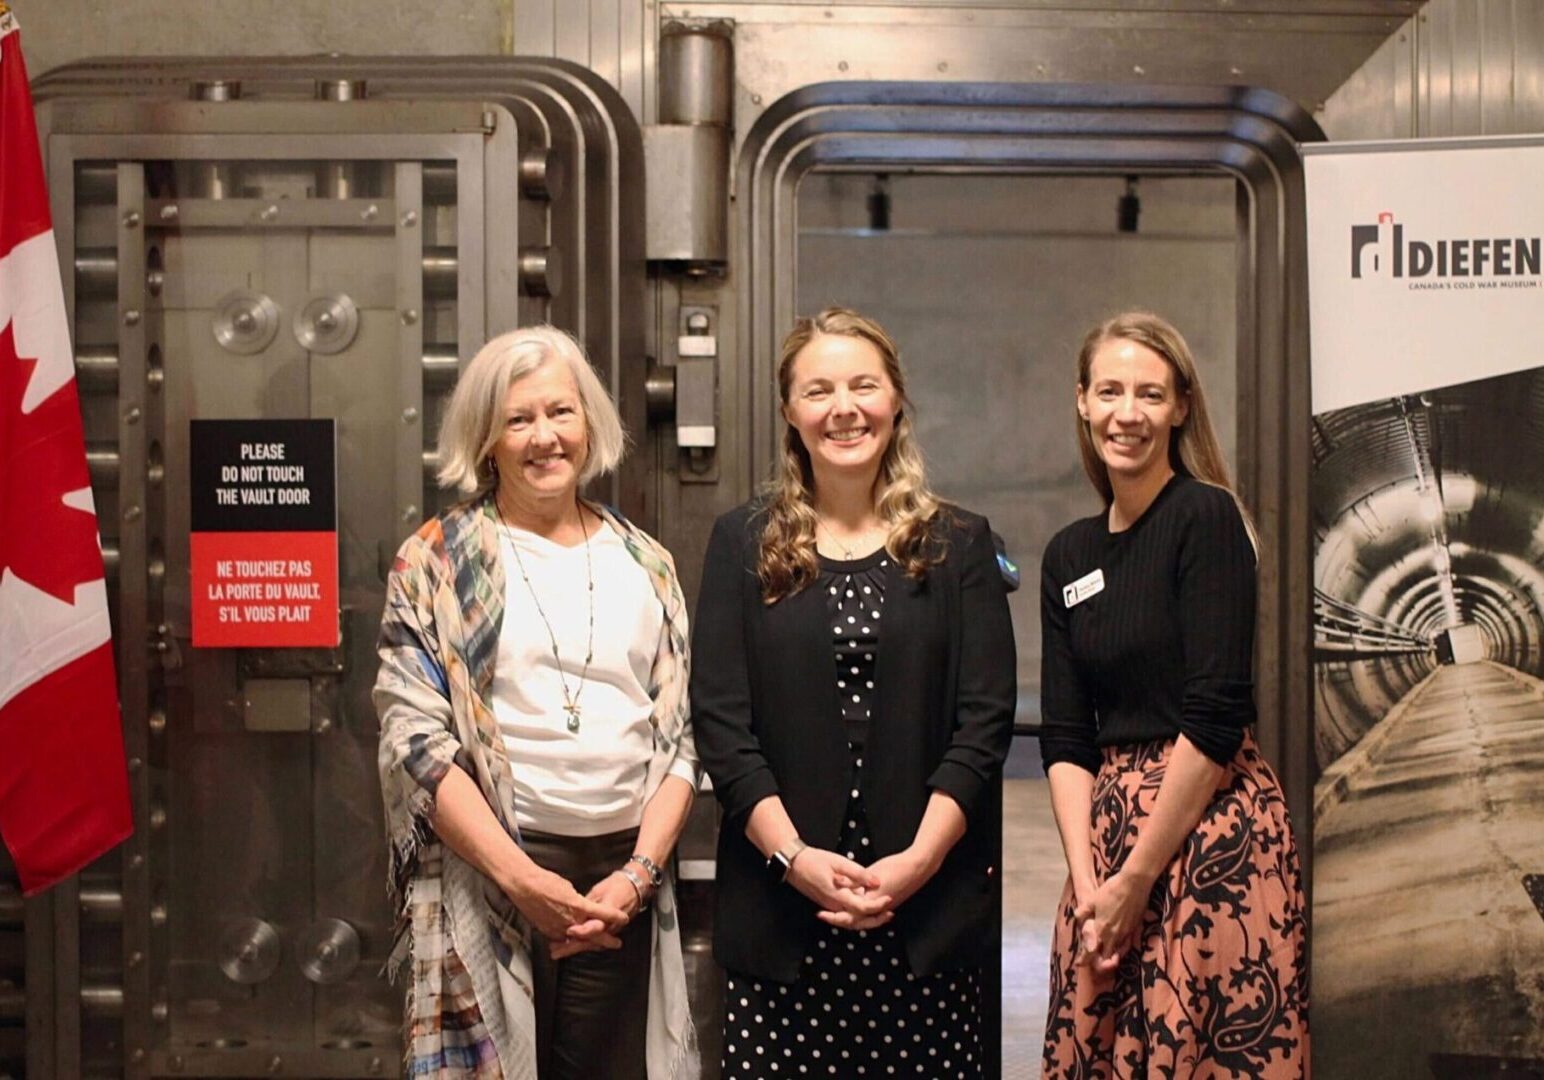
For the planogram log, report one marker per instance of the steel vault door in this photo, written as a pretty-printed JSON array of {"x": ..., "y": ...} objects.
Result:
[{"x": 286, "y": 243}]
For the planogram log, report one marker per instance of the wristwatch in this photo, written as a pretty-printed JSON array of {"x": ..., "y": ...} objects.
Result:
[
  {"x": 656, "y": 875},
  {"x": 782, "y": 860}
]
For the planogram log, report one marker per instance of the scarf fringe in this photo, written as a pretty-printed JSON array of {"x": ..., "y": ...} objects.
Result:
[
  {"x": 405, "y": 849},
  {"x": 687, "y": 1062}
]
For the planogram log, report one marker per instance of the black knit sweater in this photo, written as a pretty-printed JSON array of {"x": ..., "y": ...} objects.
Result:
[{"x": 1160, "y": 640}]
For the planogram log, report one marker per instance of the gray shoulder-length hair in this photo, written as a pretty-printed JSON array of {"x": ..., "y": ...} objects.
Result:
[{"x": 474, "y": 418}]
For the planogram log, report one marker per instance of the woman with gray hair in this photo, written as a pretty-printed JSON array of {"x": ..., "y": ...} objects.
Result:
[{"x": 536, "y": 758}]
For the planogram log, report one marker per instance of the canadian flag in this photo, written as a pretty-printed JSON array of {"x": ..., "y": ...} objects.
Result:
[{"x": 64, "y": 791}]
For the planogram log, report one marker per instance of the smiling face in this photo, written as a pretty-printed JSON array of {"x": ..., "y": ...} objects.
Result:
[
  {"x": 543, "y": 445},
  {"x": 1132, "y": 407},
  {"x": 842, "y": 403}
]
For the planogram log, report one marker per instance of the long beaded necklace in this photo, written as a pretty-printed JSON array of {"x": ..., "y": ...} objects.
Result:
[{"x": 570, "y": 701}]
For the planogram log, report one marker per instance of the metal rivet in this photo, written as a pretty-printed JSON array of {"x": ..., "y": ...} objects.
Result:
[
  {"x": 370, "y": 213},
  {"x": 169, "y": 212},
  {"x": 157, "y": 721},
  {"x": 159, "y": 1012},
  {"x": 136, "y": 764},
  {"x": 276, "y": 1064},
  {"x": 139, "y": 1053},
  {"x": 410, "y": 316},
  {"x": 270, "y": 212},
  {"x": 943, "y": 65},
  {"x": 136, "y": 958},
  {"x": 131, "y": 317},
  {"x": 131, "y": 219},
  {"x": 841, "y": 65},
  {"x": 158, "y": 918},
  {"x": 409, "y": 414},
  {"x": 409, "y": 218},
  {"x": 410, "y": 512},
  {"x": 755, "y": 99},
  {"x": 131, "y": 513},
  {"x": 136, "y": 861},
  {"x": 157, "y": 817},
  {"x": 375, "y": 1065},
  {"x": 131, "y": 415},
  {"x": 1138, "y": 69},
  {"x": 323, "y": 725}
]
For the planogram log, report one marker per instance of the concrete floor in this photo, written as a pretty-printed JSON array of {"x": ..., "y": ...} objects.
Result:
[
  {"x": 1033, "y": 874},
  {"x": 1428, "y": 952}
]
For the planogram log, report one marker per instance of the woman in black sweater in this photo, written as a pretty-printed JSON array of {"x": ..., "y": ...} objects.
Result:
[
  {"x": 1179, "y": 948},
  {"x": 853, "y": 690}
]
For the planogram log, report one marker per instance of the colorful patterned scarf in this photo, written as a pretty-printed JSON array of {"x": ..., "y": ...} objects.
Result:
[{"x": 470, "y": 1010}]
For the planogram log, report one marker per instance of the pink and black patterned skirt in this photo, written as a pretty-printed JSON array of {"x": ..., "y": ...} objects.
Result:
[{"x": 1218, "y": 984}]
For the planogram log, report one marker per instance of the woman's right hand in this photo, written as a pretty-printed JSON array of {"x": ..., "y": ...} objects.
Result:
[
  {"x": 840, "y": 885},
  {"x": 560, "y": 914}
]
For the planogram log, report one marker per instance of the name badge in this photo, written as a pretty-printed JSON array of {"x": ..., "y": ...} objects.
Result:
[{"x": 1084, "y": 587}]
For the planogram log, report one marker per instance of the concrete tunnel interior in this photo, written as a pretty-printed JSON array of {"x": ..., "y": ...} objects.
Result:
[{"x": 1428, "y": 618}]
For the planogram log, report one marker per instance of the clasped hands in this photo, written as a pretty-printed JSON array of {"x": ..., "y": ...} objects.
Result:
[
  {"x": 572, "y": 923},
  {"x": 855, "y": 897},
  {"x": 1107, "y": 920}
]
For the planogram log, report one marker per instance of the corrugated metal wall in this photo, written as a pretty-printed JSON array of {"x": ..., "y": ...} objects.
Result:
[
  {"x": 613, "y": 38},
  {"x": 1458, "y": 67}
]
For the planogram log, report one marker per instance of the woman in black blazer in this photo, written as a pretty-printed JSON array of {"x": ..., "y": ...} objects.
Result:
[{"x": 858, "y": 770}]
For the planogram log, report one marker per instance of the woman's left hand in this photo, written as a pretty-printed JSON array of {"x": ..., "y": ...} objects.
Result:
[
  {"x": 1110, "y": 921},
  {"x": 613, "y": 890},
  {"x": 900, "y": 876}
]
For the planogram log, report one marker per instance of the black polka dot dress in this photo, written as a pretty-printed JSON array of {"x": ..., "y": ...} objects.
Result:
[{"x": 856, "y": 1009}]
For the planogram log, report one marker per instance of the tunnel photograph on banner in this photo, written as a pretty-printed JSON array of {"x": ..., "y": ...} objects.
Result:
[{"x": 1428, "y": 608}]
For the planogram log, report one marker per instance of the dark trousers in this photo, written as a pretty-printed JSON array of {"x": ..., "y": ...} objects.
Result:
[{"x": 592, "y": 1008}]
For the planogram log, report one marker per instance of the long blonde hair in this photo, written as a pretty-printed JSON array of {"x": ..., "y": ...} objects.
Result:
[
  {"x": 1193, "y": 447},
  {"x": 904, "y": 503}
]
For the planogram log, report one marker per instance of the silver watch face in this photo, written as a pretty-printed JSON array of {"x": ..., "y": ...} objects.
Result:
[{"x": 656, "y": 875}]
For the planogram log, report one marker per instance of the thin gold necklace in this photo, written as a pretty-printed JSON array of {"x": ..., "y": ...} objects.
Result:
[
  {"x": 570, "y": 701},
  {"x": 852, "y": 551}
]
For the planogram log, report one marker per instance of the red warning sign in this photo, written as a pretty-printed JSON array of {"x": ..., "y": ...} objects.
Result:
[
  {"x": 271, "y": 589},
  {"x": 264, "y": 546}
]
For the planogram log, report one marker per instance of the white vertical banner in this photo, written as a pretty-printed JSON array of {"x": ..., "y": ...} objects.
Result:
[
  {"x": 1425, "y": 265},
  {"x": 1426, "y": 307}
]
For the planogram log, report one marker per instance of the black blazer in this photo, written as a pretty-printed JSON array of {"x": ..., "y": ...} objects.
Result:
[{"x": 767, "y": 721}]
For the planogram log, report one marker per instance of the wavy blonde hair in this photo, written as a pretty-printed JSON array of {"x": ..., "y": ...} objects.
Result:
[
  {"x": 1193, "y": 447},
  {"x": 903, "y": 501}
]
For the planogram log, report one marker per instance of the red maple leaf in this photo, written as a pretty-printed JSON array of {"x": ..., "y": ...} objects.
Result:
[{"x": 50, "y": 545}]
